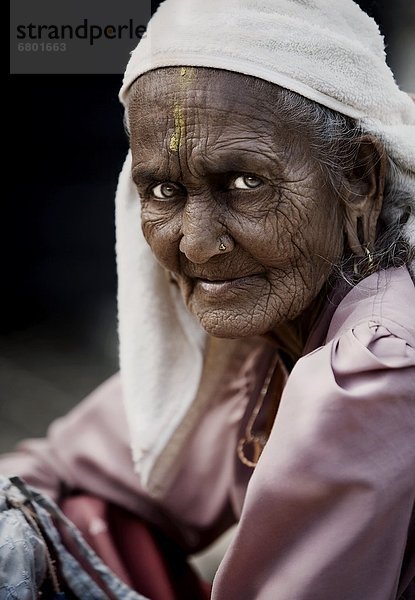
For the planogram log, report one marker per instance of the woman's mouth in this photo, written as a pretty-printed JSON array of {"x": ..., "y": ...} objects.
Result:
[{"x": 220, "y": 286}]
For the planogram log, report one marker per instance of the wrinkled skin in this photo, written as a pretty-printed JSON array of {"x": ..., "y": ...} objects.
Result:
[{"x": 215, "y": 164}]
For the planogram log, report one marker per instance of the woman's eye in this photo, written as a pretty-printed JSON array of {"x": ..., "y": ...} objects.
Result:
[
  {"x": 165, "y": 191},
  {"x": 246, "y": 182}
]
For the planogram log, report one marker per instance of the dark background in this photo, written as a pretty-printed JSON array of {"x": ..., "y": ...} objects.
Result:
[{"x": 58, "y": 320}]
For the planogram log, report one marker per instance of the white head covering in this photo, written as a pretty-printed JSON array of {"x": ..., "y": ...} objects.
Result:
[{"x": 329, "y": 51}]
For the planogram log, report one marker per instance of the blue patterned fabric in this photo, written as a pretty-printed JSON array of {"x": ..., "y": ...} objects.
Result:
[{"x": 25, "y": 519}]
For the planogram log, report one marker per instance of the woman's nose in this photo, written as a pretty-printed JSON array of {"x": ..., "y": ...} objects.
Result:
[{"x": 203, "y": 236}]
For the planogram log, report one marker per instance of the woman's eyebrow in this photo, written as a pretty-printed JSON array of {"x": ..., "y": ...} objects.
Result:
[
  {"x": 148, "y": 173},
  {"x": 240, "y": 161},
  {"x": 217, "y": 161}
]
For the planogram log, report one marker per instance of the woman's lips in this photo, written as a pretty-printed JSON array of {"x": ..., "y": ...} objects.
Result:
[{"x": 217, "y": 287}]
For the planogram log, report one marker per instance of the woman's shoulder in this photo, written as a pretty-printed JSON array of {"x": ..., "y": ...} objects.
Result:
[
  {"x": 383, "y": 302},
  {"x": 368, "y": 347}
]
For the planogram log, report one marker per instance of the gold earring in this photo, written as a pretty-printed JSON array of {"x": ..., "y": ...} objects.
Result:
[
  {"x": 358, "y": 264},
  {"x": 370, "y": 261}
]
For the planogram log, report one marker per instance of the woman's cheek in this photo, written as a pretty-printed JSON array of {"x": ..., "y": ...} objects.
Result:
[
  {"x": 163, "y": 240},
  {"x": 271, "y": 245}
]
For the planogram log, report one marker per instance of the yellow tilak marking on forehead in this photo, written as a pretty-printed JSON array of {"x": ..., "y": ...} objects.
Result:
[
  {"x": 186, "y": 74},
  {"x": 179, "y": 128},
  {"x": 185, "y": 78}
]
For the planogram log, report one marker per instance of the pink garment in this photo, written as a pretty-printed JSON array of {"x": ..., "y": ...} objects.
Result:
[{"x": 328, "y": 513}]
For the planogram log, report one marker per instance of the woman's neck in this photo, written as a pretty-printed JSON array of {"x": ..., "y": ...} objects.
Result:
[{"x": 292, "y": 336}]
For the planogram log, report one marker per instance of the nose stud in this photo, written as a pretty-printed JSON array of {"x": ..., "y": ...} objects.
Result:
[{"x": 226, "y": 243}]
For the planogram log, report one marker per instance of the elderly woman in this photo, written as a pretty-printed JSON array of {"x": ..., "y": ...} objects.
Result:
[{"x": 266, "y": 309}]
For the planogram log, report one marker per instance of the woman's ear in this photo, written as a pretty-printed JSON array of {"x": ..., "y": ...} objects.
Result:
[{"x": 363, "y": 194}]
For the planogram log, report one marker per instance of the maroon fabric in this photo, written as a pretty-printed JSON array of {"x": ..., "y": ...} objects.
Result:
[{"x": 137, "y": 553}]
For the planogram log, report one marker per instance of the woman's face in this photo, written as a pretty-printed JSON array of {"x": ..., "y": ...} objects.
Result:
[{"x": 233, "y": 202}]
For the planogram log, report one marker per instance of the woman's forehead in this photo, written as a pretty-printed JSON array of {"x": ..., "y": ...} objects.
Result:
[
  {"x": 205, "y": 105},
  {"x": 203, "y": 88}
]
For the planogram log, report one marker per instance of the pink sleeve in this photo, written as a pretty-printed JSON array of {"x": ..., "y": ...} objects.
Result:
[
  {"x": 87, "y": 449},
  {"x": 329, "y": 506}
]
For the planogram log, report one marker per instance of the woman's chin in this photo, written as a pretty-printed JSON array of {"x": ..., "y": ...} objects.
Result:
[
  {"x": 230, "y": 324},
  {"x": 233, "y": 311}
]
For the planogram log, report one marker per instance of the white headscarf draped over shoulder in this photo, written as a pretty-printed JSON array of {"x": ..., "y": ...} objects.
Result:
[{"x": 329, "y": 51}]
